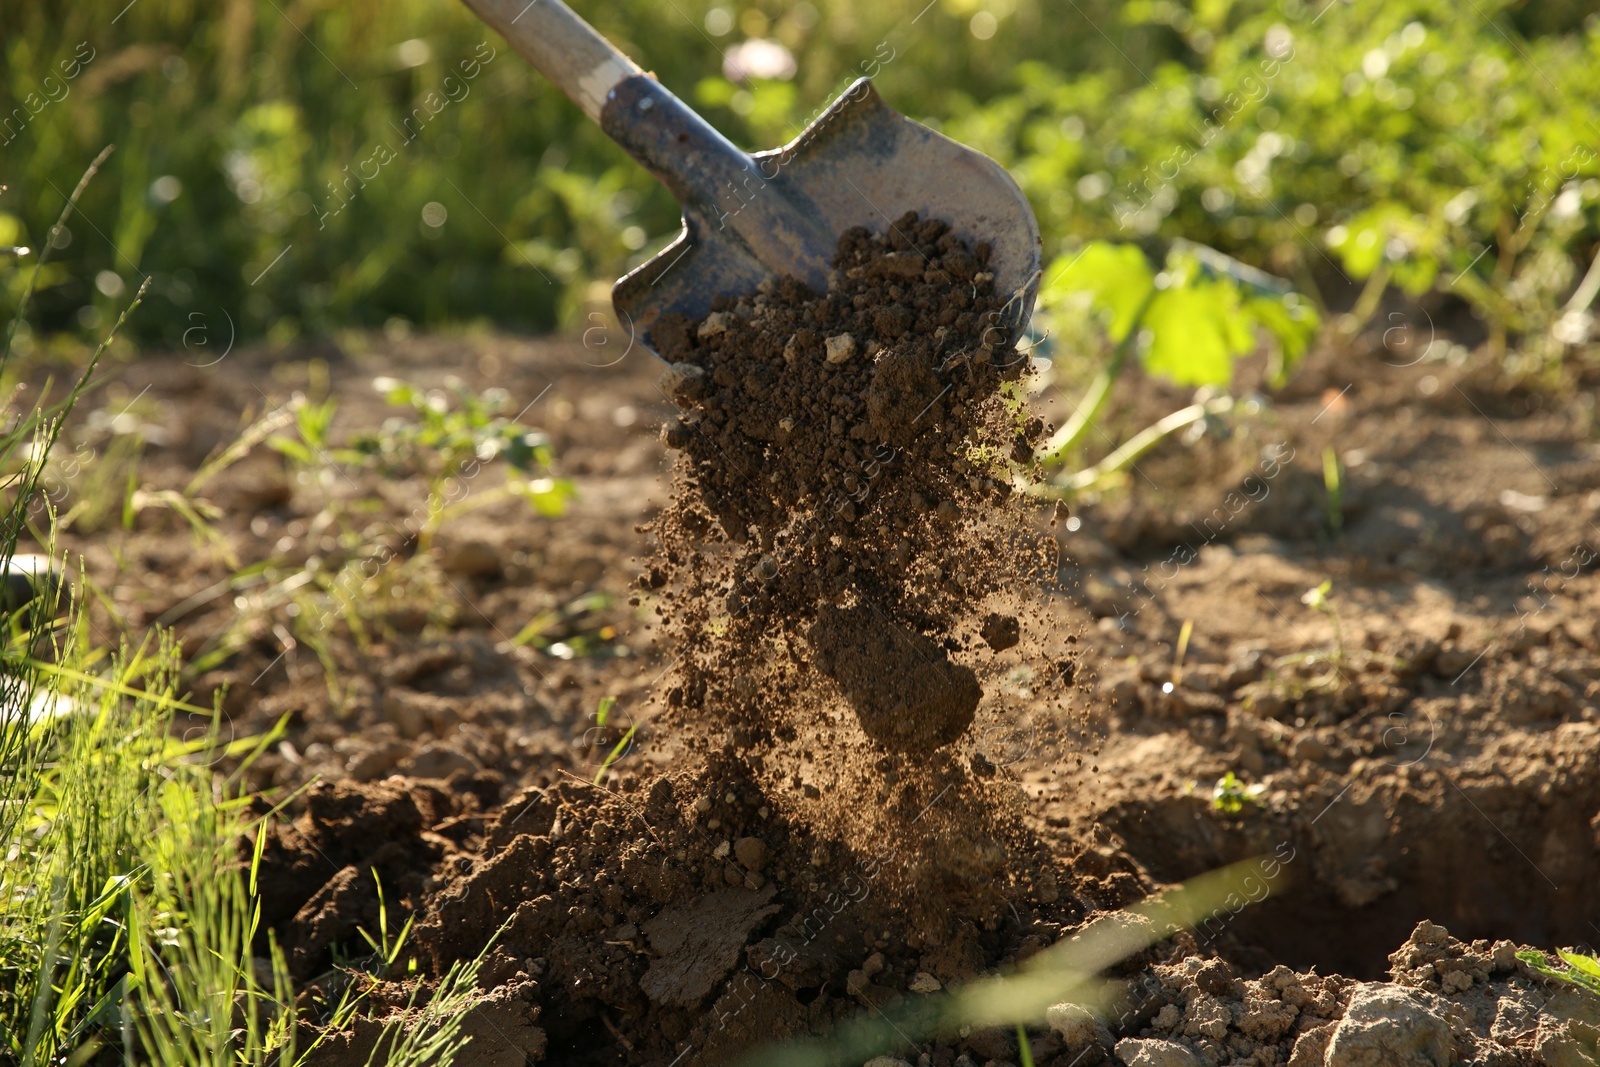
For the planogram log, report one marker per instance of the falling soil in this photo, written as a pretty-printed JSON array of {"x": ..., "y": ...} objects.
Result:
[{"x": 846, "y": 468}]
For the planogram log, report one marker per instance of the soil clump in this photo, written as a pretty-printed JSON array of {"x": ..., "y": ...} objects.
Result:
[{"x": 846, "y": 464}]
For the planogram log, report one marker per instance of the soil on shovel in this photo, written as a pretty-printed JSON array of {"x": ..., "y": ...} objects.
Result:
[{"x": 843, "y": 487}]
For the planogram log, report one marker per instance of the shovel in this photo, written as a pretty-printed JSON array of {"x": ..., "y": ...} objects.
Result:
[{"x": 749, "y": 217}]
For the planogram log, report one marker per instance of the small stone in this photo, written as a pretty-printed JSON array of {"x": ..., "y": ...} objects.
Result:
[
  {"x": 1154, "y": 1052},
  {"x": 885, "y": 1061},
  {"x": 857, "y": 983},
  {"x": 369, "y": 763},
  {"x": 752, "y": 852},
  {"x": 841, "y": 348},
  {"x": 440, "y": 761},
  {"x": 715, "y": 323},
  {"x": 702, "y": 805},
  {"x": 874, "y": 965},
  {"x": 1308, "y": 749},
  {"x": 626, "y": 932},
  {"x": 1387, "y": 1025},
  {"x": 1078, "y": 1027},
  {"x": 675, "y": 435},
  {"x": 406, "y": 710},
  {"x": 470, "y": 559},
  {"x": 722, "y": 850},
  {"x": 683, "y": 382},
  {"x": 923, "y": 982}
]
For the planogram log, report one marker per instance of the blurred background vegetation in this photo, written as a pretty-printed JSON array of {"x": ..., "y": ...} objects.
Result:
[{"x": 268, "y": 182}]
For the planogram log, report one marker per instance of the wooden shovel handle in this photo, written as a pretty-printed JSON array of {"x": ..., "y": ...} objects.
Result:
[{"x": 564, "y": 48}]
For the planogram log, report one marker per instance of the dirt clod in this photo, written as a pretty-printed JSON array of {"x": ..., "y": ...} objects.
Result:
[
  {"x": 907, "y": 694},
  {"x": 697, "y": 943},
  {"x": 1001, "y": 632},
  {"x": 1389, "y": 1026}
]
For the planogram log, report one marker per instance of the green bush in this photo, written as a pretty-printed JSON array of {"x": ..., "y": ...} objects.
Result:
[{"x": 1414, "y": 143}]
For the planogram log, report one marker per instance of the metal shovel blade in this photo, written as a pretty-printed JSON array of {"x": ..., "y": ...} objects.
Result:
[{"x": 860, "y": 163}]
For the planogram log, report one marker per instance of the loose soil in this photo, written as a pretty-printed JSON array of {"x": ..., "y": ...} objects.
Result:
[
  {"x": 843, "y": 490},
  {"x": 1421, "y": 747}
]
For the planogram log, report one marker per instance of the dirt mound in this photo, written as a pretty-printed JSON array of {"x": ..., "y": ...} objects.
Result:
[
  {"x": 846, "y": 461},
  {"x": 712, "y": 909},
  {"x": 321, "y": 876},
  {"x": 1446, "y": 1002}
]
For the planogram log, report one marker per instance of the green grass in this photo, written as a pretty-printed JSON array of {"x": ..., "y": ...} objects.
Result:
[{"x": 129, "y": 920}]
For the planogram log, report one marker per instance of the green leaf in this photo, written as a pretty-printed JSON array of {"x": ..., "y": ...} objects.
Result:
[
  {"x": 1291, "y": 322},
  {"x": 288, "y": 446},
  {"x": 1391, "y": 233},
  {"x": 548, "y": 496},
  {"x": 1196, "y": 333},
  {"x": 1117, "y": 278},
  {"x": 1579, "y": 962}
]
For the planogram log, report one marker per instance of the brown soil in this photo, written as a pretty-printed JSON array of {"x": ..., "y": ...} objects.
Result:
[
  {"x": 856, "y": 454},
  {"x": 1422, "y": 748}
]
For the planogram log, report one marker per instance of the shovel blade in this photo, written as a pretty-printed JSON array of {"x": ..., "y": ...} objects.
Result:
[{"x": 860, "y": 163}]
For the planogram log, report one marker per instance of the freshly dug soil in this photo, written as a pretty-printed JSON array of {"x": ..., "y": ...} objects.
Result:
[
  {"x": 1444, "y": 1002},
  {"x": 847, "y": 459},
  {"x": 1423, "y": 747}
]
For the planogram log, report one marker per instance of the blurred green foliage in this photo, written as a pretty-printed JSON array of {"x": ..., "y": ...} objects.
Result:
[
  {"x": 1203, "y": 311},
  {"x": 250, "y": 131},
  {"x": 1447, "y": 150},
  {"x": 297, "y": 166}
]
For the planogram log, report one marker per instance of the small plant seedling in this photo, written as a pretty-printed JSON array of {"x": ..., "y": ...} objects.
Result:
[
  {"x": 1182, "y": 650},
  {"x": 1318, "y": 600},
  {"x": 1024, "y": 1050},
  {"x": 456, "y": 433},
  {"x": 1190, "y": 323},
  {"x": 1230, "y": 794},
  {"x": 1333, "y": 484},
  {"x": 1582, "y": 970},
  {"x": 624, "y": 743}
]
